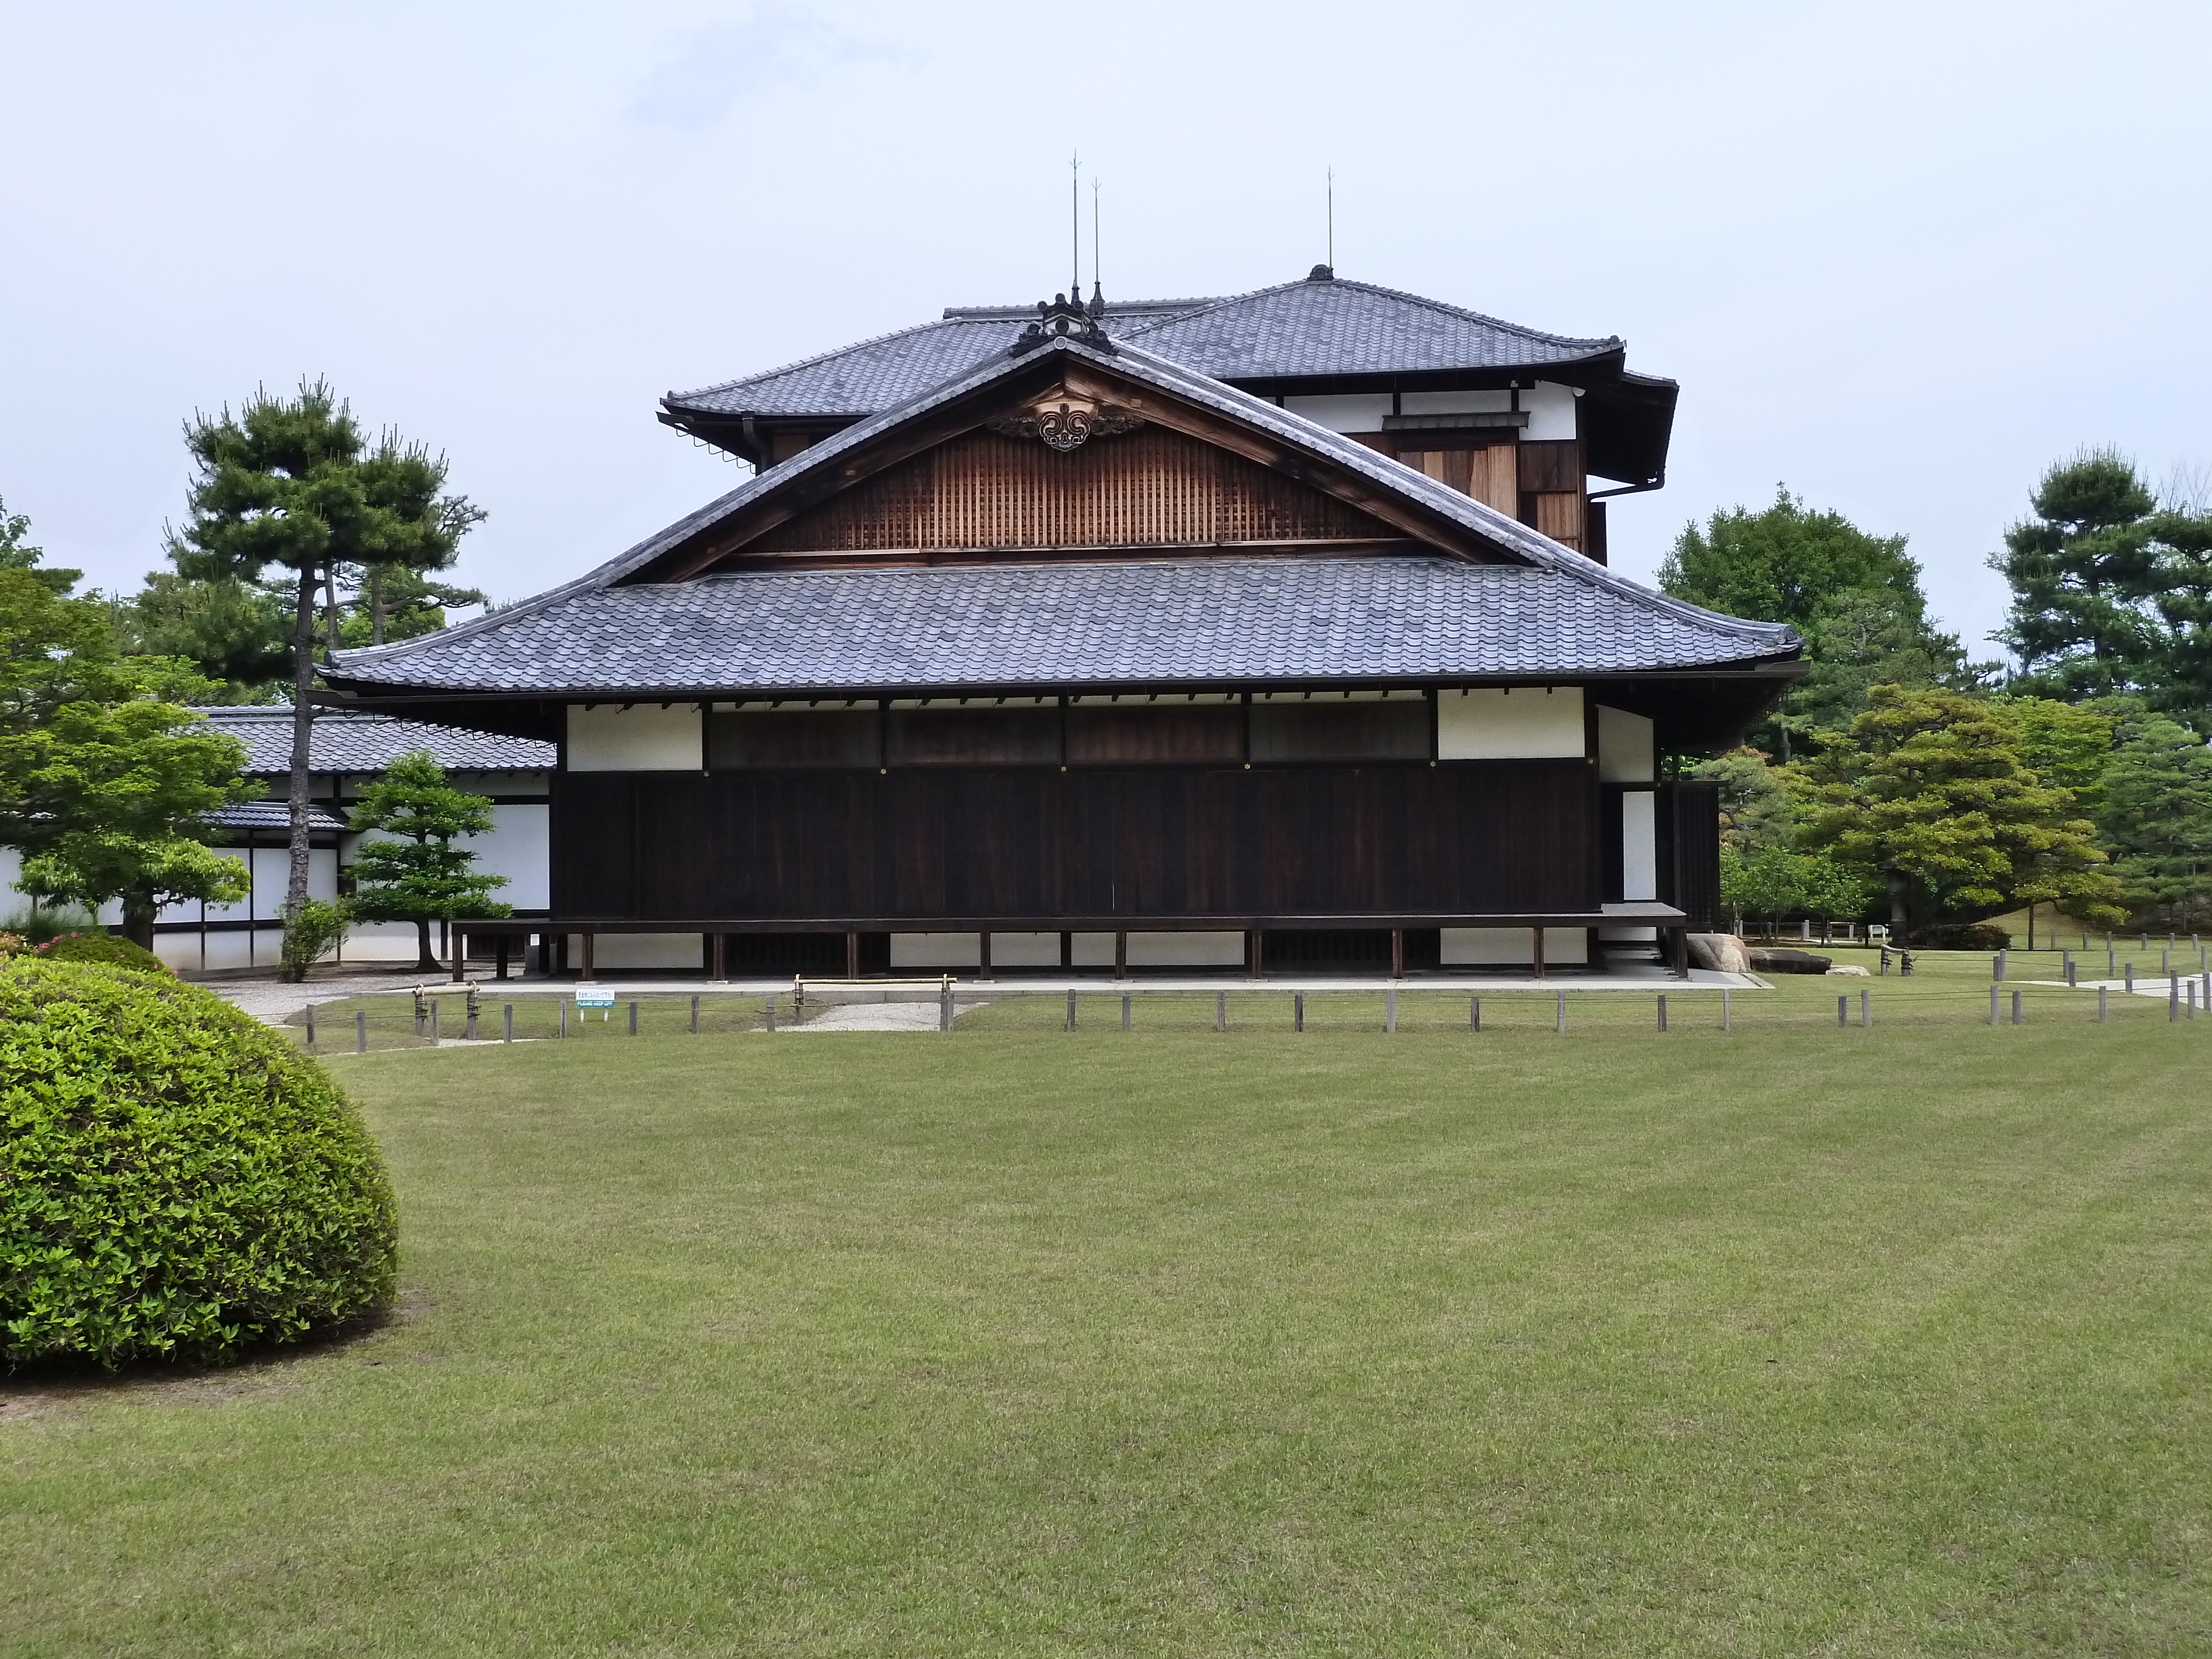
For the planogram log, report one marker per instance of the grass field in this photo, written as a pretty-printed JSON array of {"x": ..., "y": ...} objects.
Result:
[{"x": 1786, "y": 1341}]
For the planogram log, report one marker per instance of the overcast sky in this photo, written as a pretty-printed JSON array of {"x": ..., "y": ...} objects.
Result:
[{"x": 1899, "y": 257}]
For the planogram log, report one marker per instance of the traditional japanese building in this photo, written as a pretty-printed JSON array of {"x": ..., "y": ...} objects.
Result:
[{"x": 1271, "y": 631}]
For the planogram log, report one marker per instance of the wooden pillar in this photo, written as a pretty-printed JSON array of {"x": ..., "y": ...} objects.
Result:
[
  {"x": 718, "y": 949},
  {"x": 1397, "y": 953},
  {"x": 458, "y": 940},
  {"x": 499, "y": 956},
  {"x": 1121, "y": 956},
  {"x": 545, "y": 954},
  {"x": 852, "y": 956},
  {"x": 1066, "y": 952},
  {"x": 983, "y": 954},
  {"x": 1682, "y": 952},
  {"x": 1537, "y": 936},
  {"x": 588, "y": 939},
  {"x": 1255, "y": 961}
]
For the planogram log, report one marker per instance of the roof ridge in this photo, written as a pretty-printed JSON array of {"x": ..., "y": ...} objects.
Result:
[
  {"x": 1461, "y": 312},
  {"x": 793, "y": 367}
]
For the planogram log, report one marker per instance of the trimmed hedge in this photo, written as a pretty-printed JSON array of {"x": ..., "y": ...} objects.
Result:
[
  {"x": 1963, "y": 936},
  {"x": 110, "y": 948},
  {"x": 177, "y": 1181}
]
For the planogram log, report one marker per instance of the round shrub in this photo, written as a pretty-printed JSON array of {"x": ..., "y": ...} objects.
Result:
[
  {"x": 110, "y": 948},
  {"x": 177, "y": 1181}
]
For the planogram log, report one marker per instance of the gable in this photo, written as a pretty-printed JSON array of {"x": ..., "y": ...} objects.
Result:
[{"x": 991, "y": 491}]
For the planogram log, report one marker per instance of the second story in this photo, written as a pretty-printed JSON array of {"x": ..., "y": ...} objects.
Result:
[{"x": 1541, "y": 426}]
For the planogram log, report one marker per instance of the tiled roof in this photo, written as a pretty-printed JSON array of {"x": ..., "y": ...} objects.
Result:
[
  {"x": 348, "y": 741},
  {"x": 1335, "y": 327},
  {"x": 1571, "y": 615},
  {"x": 270, "y": 815},
  {"x": 877, "y": 373},
  {"x": 1299, "y": 329},
  {"x": 1141, "y": 622}
]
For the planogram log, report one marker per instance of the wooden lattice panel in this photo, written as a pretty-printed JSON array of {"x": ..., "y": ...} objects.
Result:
[{"x": 1147, "y": 488}]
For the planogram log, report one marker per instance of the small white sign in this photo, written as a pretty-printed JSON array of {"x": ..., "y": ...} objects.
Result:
[{"x": 594, "y": 998}]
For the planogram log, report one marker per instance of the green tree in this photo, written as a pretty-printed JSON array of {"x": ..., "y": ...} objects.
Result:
[
  {"x": 2181, "y": 546},
  {"x": 1928, "y": 794},
  {"x": 2156, "y": 816},
  {"x": 1755, "y": 809},
  {"x": 413, "y": 871},
  {"x": 296, "y": 482},
  {"x": 234, "y": 631},
  {"x": 394, "y": 603},
  {"x": 16, "y": 554},
  {"x": 2081, "y": 571},
  {"x": 1855, "y": 598},
  {"x": 1786, "y": 563}
]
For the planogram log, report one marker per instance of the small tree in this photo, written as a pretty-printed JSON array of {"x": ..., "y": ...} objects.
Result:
[
  {"x": 16, "y": 554},
  {"x": 117, "y": 797},
  {"x": 296, "y": 482},
  {"x": 417, "y": 874},
  {"x": 1927, "y": 793}
]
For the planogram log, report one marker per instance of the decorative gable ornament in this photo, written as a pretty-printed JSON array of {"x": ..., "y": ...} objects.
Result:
[
  {"x": 1064, "y": 317},
  {"x": 1065, "y": 423}
]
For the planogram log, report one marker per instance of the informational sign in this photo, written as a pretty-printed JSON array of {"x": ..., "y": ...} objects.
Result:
[{"x": 594, "y": 996}]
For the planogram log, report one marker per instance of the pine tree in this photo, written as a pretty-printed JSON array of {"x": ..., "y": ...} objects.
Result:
[
  {"x": 414, "y": 872},
  {"x": 16, "y": 554},
  {"x": 2081, "y": 571},
  {"x": 296, "y": 482},
  {"x": 2156, "y": 816},
  {"x": 1929, "y": 793}
]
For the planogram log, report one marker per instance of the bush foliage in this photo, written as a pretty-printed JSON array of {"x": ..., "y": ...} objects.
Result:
[
  {"x": 176, "y": 1182},
  {"x": 110, "y": 948}
]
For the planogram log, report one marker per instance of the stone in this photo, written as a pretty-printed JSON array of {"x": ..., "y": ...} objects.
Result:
[
  {"x": 1851, "y": 969},
  {"x": 1720, "y": 952},
  {"x": 1791, "y": 962}
]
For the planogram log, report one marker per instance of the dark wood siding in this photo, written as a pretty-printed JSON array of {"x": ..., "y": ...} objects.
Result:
[
  {"x": 1186, "y": 732},
  {"x": 842, "y": 737},
  {"x": 1340, "y": 731},
  {"x": 1692, "y": 814},
  {"x": 1467, "y": 838},
  {"x": 1145, "y": 488}
]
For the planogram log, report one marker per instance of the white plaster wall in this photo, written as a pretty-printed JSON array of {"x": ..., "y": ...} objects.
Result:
[
  {"x": 1524, "y": 723},
  {"x": 1025, "y": 950},
  {"x": 516, "y": 847},
  {"x": 1639, "y": 845},
  {"x": 636, "y": 951},
  {"x": 1625, "y": 750},
  {"x": 11, "y": 897},
  {"x": 1091, "y": 950},
  {"x": 642, "y": 737},
  {"x": 940, "y": 951},
  {"x": 1551, "y": 410},
  {"x": 1183, "y": 949},
  {"x": 1354, "y": 412},
  {"x": 1455, "y": 402},
  {"x": 1470, "y": 947}
]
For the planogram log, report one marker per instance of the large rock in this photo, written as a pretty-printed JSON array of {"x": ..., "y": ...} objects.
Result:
[
  {"x": 1791, "y": 962},
  {"x": 1722, "y": 952}
]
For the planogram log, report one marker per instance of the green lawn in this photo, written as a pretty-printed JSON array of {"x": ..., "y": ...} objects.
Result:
[{"x": 1790, "y": 1340}]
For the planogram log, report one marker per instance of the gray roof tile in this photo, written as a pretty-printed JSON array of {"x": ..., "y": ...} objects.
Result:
[
  {"x": 347, "y": 742},
  {"x": 1298, "y": 329},
  {"x": 1004, "y": 623}
]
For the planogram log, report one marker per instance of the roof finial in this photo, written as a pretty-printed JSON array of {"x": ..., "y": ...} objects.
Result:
[
  {"x": 1098, "y": 291},
  {"x": 1075, "y": 225},
  {"x": 1332, "y": 222}
]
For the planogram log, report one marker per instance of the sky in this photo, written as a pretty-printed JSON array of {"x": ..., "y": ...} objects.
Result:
[{"x": 1900, "y": 257}]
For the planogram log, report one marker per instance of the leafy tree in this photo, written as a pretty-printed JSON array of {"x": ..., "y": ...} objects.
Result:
[
  {"x": 1755, "y": 809},
  {"x": 1929, "y": 793},
  {"x": 296, "y": 482},
  {"x": 110, "y": 802},
  {"x": 2080, "y": 571},
  {"x": 1773, "y": 882},
  {"x": 1785, "y": 563},
  {"x": 2067, "y": 745},
  {"x": 1862, "y": 638},
  {"x": 2181, "y": 543},
  {"x": 16, "y": 554},
  {"x": 417, "y": 874},
  {"x": 2156, "y": 815},
  {"x": 1855, "y": 598},
  {"x": 233, "y": 631}
]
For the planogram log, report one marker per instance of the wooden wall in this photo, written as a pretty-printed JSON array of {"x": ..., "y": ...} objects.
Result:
[
  {"x": 1493, "y": 837},
  {"x": 1150, "y": 486}
]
